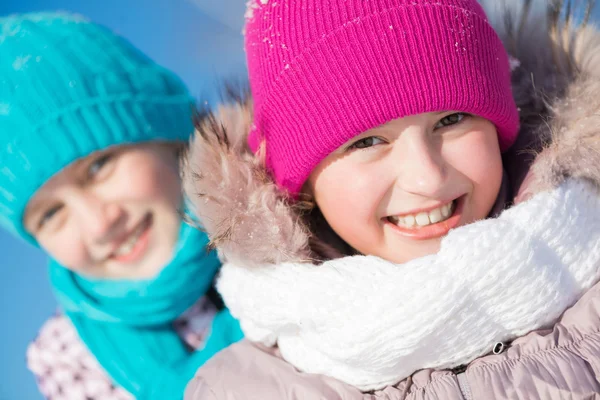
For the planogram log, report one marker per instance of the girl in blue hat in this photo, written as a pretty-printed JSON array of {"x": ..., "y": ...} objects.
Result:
[{"x": 90, "y": 132}]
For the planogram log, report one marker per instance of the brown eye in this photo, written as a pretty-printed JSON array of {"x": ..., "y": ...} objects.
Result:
[
  {"x": 366, "y": 143},
  {"x": 449, "y": 120}
]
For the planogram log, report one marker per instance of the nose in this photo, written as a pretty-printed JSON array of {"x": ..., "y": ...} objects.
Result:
[
  {"x": 421, "y": 167},
  {"x": 99, "y": 217}
]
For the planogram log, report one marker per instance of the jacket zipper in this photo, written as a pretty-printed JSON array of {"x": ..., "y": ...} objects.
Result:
[{"x": 463, "y": 384}]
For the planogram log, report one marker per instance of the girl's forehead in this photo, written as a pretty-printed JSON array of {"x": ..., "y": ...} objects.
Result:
[{"x": 421, "y": 118}]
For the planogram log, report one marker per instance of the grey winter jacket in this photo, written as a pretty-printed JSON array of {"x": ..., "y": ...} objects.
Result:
[{"x": 558, "y": 364}]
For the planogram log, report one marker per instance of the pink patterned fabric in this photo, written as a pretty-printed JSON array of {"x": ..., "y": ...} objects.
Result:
[
  {"x": 66, "y": 370},
  {"x": 324, "y": 71}
]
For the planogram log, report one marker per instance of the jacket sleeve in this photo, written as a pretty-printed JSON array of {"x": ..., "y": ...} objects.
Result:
[
  {"x": 64, "y": 368},
  {"x": 246, "y": 371}
]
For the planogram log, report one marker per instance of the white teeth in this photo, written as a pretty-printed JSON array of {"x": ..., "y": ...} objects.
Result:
[
  {"x": 446, "y": 210},
  {"x": 410, "y": 220},
  {"x": 435, "y": 215},
  {"x": 125, "y": 249},
  {"x": 424, "y": 218},
  {"x": 128, "y": 245}
]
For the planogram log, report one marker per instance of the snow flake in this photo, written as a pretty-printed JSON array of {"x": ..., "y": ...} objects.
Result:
[
  {"x": 514, "y": 63},
  {"x": 20, "y": 62}
]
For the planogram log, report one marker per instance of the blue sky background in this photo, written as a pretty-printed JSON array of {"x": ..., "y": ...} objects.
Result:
[
  {"x": 198, "y": 39},
  {"x": 201, "y": 41}
]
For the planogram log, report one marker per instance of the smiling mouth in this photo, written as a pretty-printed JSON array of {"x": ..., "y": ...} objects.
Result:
[
  {"x": 132, "y": 248},
  {"x": 428, "y": 224},
  {"x": 424, "y": 218}
]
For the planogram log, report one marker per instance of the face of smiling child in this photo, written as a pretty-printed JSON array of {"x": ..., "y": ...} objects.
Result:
[
  {"x": 113, "y": 214},
  {"x": 395, "y": 191}
]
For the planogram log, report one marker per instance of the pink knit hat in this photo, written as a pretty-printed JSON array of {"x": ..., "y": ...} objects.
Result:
[{"x": 324, "y": 71}]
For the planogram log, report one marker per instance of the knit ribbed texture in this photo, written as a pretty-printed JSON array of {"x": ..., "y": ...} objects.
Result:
[
  {"x": 371, "y": 323},
  {"x": 68, "y": 88},
  {"x": 324, "y": 71}
]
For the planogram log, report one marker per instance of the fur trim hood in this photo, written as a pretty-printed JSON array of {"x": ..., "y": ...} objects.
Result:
[{"x": 556, "y": 81}]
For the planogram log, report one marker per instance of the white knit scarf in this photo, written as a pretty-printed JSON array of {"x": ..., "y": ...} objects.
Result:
[{"x": 371, "y": 323}]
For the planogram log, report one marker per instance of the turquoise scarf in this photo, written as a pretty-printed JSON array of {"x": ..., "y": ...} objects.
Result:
[{"x": 127, "y": 325}]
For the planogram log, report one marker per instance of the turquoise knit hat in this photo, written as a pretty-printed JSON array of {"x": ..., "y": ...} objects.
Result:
[{"x": 69, "y": 87}]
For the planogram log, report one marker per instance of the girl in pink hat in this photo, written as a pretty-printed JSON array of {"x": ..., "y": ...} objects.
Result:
[{"x": 405, "y": 210}]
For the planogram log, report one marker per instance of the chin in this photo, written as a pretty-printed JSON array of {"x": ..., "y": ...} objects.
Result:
[{"x": 405, "y": 254}]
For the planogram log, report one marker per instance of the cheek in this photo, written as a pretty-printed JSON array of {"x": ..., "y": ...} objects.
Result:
[
  {"x": 348, "y": 197},
  {"x": 152, "y": 180},
  {"x": 482, "y": 167},
  {"x": 74, "y": 256}
]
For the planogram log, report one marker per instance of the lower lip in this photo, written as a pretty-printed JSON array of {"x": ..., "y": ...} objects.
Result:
[
  {"x": 434, "y": 230},
  {"x": 139, "y": 249}
]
